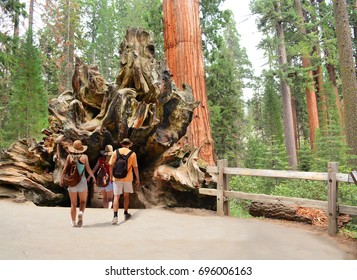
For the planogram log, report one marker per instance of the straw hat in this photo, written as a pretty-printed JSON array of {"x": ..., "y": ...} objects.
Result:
[
  {"x": 126, "y": 141},
  {"x": 77, "y": 147},
  {"x": 108, "y": 150}
]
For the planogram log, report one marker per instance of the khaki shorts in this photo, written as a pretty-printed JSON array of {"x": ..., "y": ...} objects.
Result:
[{"x": 120, "y": 186}]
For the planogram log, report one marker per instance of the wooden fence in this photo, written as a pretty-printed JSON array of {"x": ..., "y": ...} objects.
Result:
[{"x": 332, "y": 177}]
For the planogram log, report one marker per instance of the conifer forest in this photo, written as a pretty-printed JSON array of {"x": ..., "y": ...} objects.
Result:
[{"x": 302, "y": 111}]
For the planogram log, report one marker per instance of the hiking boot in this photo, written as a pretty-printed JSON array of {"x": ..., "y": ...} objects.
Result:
[
  {"x": 80, "y": 219},
  {"x": 127, "y": 216},
  {"x": 115, "y": 221}
]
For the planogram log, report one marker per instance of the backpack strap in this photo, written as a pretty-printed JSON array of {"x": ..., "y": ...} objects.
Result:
[
  {"x": 76, "y": 159},
  {"x": 129, "y": 154},
  {"x": 126, "y": 156}
]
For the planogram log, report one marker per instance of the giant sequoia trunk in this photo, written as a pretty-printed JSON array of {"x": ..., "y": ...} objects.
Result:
[
  {"x": 311, "y": 100},
  {"x": 143, "y": 105},
  {"x": 183, "y": 50}
]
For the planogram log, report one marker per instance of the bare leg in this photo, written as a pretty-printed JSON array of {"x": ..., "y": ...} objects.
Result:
[
  {"x": 116, "y": 203},
  {"x": 105, "y": 198},
  {"x": 115, "y": 209},
  {"x": 73, "y": 198},
  {"x": 82, "y": 206},
  {"x": 82, "y": 200},
  {"x": 126, "y": 201},
  {"x": 109, "y": 199}
]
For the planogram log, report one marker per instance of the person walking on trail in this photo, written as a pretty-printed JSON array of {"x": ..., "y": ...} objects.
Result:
[
  {"x": 123, "y": 185},
  {"x": 81, "y": 189},
  {"x": 103, "y": 162}
]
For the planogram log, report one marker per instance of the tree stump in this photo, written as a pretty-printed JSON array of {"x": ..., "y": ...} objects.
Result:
[{"x": 143, "y": 104}]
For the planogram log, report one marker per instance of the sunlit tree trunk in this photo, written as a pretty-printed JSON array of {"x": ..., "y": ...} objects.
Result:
[
  {"x": 348, "y": 72},
  {"x": 311, "y": 101},
  {"x": 183, "y": 50},
  {"x": 290, "y": 144},
  {"x": 331, "y": 72},
  {"x": 31, "y": 15},
  {"x": 321, "y": 94},
  {"x": 69, "y": 47}
]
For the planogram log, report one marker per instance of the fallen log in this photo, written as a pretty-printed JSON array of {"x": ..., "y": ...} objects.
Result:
[{"x": 294, "y": 213}]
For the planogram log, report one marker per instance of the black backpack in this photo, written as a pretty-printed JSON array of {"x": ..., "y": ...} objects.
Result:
[{"x": 120, "y": 169}]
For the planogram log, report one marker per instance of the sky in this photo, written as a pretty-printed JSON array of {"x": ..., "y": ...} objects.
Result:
[{"x": 250, "y": 36}]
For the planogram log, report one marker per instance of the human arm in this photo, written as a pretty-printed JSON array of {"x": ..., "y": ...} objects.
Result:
[
  {"x": 94, "y": 170},
  {"x": 111, "y": 165},
  {"x": 89, "y": 170},
  {"x": 137, "y": 177}
]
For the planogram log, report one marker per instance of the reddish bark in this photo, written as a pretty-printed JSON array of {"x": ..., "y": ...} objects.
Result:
[
  {"x": 183, "y": 50},
  {"x": 332, "y": 75},
  {"x": 311, "y": 101}
]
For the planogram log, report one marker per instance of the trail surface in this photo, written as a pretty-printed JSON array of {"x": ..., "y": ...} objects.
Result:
[{"x": 44, "y": 233}]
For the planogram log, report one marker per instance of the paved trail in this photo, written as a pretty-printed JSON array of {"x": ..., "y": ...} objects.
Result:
[{"x": 44, "y": 233}]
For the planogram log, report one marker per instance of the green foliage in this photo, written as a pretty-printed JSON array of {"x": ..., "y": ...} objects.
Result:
[
  {"x": 254, "y": 153},
  {"x": 110, "y": 19},
  {"x": 330, "y": 144},
  {"x": 347, "y": 194},
  {"x": 252, "y": 184},
  {"x": 302, "y": 188},
  {"x": 212, "y": 21},
  {"x": 289, "y": 188},
  {"x": 305, "y": 156},
  {"x": 238, "y": 208},
  {"x": 271, "y": 112},
  {"x": 28, "y": 102},
  {"x": 59, "y": 38},
  {"x": 227, "y": 67}
]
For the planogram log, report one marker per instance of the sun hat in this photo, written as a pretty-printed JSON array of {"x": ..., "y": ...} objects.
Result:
[
  {"x": 77, "y": 147},
  {"x": 126, "y": 141},
  {"x": 108, "y": 150}
]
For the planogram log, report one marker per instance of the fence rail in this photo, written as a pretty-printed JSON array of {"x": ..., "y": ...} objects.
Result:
[{"x": 332, "y": 177}]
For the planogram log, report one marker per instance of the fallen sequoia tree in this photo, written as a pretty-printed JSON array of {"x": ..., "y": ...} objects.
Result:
[
  {"x": 143, "y": 104},
  {"x": 295, "y": 213}
]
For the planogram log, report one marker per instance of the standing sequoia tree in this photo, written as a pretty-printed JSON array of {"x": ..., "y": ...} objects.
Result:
[{"x": 183, "y": 50}]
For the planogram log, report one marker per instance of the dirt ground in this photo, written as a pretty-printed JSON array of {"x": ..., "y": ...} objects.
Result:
[{"x": 31, "y": 232}]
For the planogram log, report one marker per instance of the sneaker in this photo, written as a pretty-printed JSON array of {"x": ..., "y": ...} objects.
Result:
[
  {"x": 127, "y": 216},
  {"x": 115, "y": 221},
  {"x": 80, "y": 219},
  {"x": 73, "y": 224}
]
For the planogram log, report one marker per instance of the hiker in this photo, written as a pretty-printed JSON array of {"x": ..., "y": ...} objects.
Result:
[
  {"x": 123, "y": 185},
  {"x": 81, "y": 189},
  {"x": 107, "y": 191}
]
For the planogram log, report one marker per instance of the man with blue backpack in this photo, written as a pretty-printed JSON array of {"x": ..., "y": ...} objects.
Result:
[{"x": 122, "y": 164}]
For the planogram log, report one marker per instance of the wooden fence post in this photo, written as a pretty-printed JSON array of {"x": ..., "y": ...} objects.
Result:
[
  {"x": 222, "y": 185},
  {"x": 332, "y": 204}
]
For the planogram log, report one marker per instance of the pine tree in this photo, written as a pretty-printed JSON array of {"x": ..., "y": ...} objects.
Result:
[
  {"x": 332, "y": 147},
  {"x": 228, "y": 65},
  {"x": 28, "y": 102}
]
